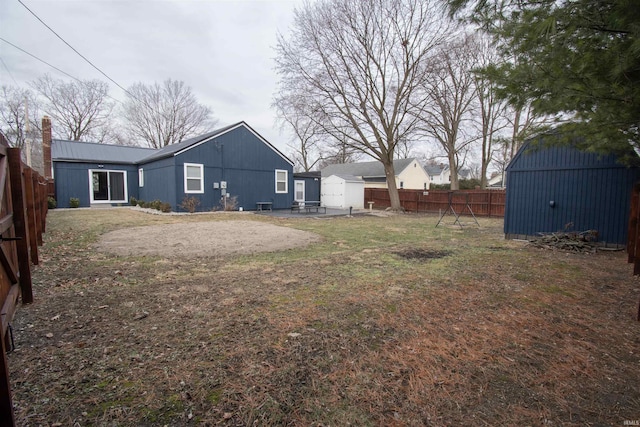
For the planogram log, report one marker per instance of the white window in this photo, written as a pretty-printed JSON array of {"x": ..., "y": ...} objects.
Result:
[
  {"x": 140, "y": 177},
  {"x": 281, "y": 181},
  {"x": 193, "y": 178}
]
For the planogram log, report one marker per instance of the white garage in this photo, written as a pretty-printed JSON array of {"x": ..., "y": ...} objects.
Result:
[{"x": 342, "y": 191}]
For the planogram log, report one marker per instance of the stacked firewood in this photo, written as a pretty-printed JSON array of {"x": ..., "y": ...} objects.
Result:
[{"x": 574, "y": 241}]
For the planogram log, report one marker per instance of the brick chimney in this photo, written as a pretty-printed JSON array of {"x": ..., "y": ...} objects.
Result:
[{"x": 46, "y": 145}]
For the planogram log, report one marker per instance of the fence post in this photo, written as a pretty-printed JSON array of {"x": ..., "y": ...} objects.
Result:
[{"x": 20, "y": 223}]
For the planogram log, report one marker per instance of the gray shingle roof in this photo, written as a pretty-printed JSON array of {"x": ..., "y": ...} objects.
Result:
[
  {"x": 373, "y": 169},
  {"x": 76, "y": 151}
]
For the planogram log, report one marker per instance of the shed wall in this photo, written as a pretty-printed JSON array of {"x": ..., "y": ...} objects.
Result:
[{"x": 588, "y": 191}]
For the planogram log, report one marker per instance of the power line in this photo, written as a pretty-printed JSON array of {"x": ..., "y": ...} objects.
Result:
[
  {"x": 41, "y": 60},
  {"x": 46, "y": 63},
  {"x": 9, "y": 71},
  {"x": 72, "y": 48}
]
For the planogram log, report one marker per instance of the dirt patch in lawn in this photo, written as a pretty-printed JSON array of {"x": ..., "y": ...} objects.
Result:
[{"x": 204, "y": 239}]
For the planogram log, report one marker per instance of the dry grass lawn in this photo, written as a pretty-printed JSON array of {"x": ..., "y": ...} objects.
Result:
[{"x": 381, "y": 322}]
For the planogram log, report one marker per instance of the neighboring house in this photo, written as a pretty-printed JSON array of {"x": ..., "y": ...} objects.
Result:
[
  {"x": 306, "y": 186},
  {"x": 440, "y": 174},
  {"x": 556, "y": 188},
  {"x": 410, "y": 174},
  {"x": 343, "y": 191},
  {"x": 234, "y": 161},
  {"x": 497, "y": 180}
]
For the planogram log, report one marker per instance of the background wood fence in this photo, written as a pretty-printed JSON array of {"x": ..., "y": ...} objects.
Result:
[
  {"x": 482, "y": 202},
  {"x": 23, "y": 211}
]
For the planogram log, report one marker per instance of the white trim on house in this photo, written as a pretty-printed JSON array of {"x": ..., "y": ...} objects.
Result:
[
  {"x": 200, "y": 178},
  {"x": 140, "y": 177},
  {"x": 241, "y": 124},
  {"x": 286, "y": 181},
  {"x": 109, "y": 199}
]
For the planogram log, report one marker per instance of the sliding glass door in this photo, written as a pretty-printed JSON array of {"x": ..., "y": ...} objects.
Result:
[{"x": 108, "y": 186}]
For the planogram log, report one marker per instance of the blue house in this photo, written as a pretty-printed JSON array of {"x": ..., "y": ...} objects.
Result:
[
  {"x": 556, "y": 187},
  {"x": 234, "y": 162},
  {"x": 306, "y": 186}
]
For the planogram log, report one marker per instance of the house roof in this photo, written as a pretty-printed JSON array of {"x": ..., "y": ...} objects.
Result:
[
  {"x": 75, "y": 151},
  {"x": 373, "y": 169},
  {"x": 433, "y": 170},
  {"x": 313, "y": 174},
  {"x": 93, "y": 152}
]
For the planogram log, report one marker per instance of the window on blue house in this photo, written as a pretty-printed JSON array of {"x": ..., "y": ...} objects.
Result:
[
  {"x": 193, "y": 178},
  {"x": 281, "y": 181},
  {"x": 140, "y": 177}
]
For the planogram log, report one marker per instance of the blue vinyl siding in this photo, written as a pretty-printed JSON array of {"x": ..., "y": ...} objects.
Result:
[
  {"x": 72, "y": 180},
  {"x": 236, "y": 155},
  {"x": 244, "y": 162},
  {"x": 159, "y": 182},
  {"x": 590, "y": 192},
  {"x": 311, "y": 188}
]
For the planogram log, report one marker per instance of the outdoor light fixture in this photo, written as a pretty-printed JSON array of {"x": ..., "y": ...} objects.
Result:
[{"x": 552, "y": 203}]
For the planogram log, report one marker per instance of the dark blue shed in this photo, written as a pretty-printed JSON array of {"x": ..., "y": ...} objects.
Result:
[
  {"x": 553, "y": 188},
  {"x": 232, "y": 162}
]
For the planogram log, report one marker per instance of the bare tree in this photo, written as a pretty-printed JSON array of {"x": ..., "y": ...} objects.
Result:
[
  {"x": 491, "y": 107},
  {"x": 80, "y": 109},
  {"x": 358, "y": 66},
  {"x": 19, "y": 114},
  {"x": 160, "y": 115},
  {"x": 450, "y": 93},
  {"x": 305, "y": 147}
]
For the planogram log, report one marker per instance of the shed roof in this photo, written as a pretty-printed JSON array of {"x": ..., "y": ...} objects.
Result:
[
  {"x": 76, "y": 151},
  {"x": 348, "y": 178},
  {"x": 373, "y": 169}
]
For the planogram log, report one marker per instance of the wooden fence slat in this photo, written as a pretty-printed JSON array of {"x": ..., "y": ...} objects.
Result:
[
  {"x": 20, "y": 223},
  {"x": 482, "y": 202},
  {"x": 633, "y": 224},
  {"x": 32, "y": 217},
  {"x": 6, "y": 404}
]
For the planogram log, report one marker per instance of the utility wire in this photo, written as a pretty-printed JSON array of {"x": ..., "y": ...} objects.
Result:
[
  {"x": 72, "y": 48},
  {"x": 41, "y": 60},
  {"x": 46, "y": 63},
  {"x": 9, "y": 71}
]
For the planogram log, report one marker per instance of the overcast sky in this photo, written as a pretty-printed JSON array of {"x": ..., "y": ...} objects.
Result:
[{"x": 222, "y": 49}]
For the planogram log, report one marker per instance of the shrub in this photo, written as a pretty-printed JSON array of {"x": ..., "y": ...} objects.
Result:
[
  {"x": 51, "y": 202},
  {"x": 74, "y": 202},
  {"x": 232, "y": 203},
  {"x": 190, "y": 204},
  {"x": 165, "y": 207},
  {"x": 133, "y": 201},
  {"x": 155, "y": 204}
]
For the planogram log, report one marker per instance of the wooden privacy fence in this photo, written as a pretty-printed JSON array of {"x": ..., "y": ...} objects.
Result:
[
  {"x": 481, "y": 202},
  {"x": 23, "y": 211}
]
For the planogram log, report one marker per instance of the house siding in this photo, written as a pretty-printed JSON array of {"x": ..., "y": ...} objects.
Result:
[
  {"x": 413, "y": 177},
  {"x": 159, "y": 182},
  {"x": 245, "y": 163},
  {"x": 589, "y": 191},
  {"x": 311, "y": 187},
  {"x": 72, "y": 180}
]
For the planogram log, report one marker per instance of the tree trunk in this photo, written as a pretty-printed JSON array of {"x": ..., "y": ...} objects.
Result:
[
  {"x": 453, "y": 169},
  {"x": 394, "y": 196}
]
